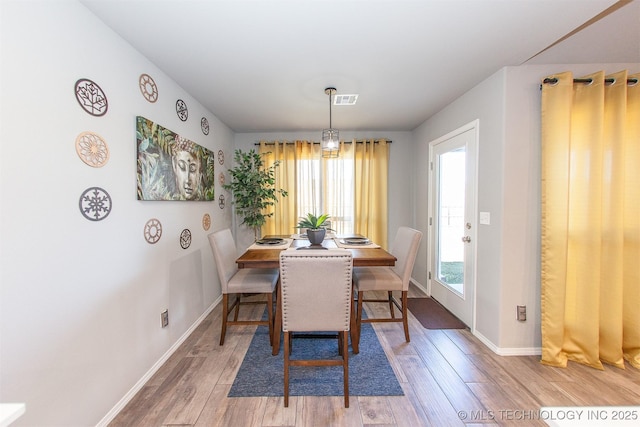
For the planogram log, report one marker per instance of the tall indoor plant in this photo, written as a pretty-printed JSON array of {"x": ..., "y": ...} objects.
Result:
[{"x": 253, "y": 188}]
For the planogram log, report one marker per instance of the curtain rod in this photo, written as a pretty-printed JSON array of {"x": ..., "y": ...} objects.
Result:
[
  {"x": 346, "y": 142},
  {"x": 553, "y": 80}
]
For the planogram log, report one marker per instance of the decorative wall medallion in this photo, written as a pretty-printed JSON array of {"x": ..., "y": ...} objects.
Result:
[
  {"x": 221, "y": 157},
  {"x": 148, "y": 88},
  {"x": 181, "y": 110},
  {"x": 152, "y": 231},
  {"x": 206, "y": 221},
  {"x": 204, "y": 125},
  {"x": 95, "y": 204},
  {"x": 91, "y": 98},
  {"x": 221, "y": 201},
  {"x": 221, "y": 178},
  {"x": 185, "y": 238},
  {"x": 92, "y": 149}
]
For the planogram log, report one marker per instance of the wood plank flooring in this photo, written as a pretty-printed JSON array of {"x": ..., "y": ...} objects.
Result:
[{"x": 448, "y": 377}]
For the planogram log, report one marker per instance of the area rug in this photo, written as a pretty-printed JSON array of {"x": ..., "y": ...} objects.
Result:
[
  {"x": 432, "y": 315},
  {"x": 262, "y": 374}
]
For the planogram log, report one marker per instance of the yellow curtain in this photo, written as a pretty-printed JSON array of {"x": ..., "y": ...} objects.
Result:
[
  {"x": 371, "y": 173},
  {"x": 285, "y": 213},
  {"x": 591, "y": 221}
]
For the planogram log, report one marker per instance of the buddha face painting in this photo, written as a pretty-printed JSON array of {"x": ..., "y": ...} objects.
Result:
[
  {"x": 172, "y": 167},
  {"x": 187, "y": 170}
]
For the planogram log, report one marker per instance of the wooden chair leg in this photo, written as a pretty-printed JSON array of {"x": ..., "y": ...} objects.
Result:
[
  {"x": 404, "y": 316},
  {"x": 286, "y": 369},
  {"x": 359, "y": 317},
  {"x": 225, "y": 304},
  {"x": 352, "y": 326},
  {"x": 277, "y": 325},
  {"x": 270, "y": 317},
  {"x": 390, "y": 296},
  {"x": 235, "y": 314},
  {"x": 345, "y": 364}
]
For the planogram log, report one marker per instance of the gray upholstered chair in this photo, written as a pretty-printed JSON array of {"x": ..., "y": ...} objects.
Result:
[
  {"x": 316, "y": 294},
  {"x": 236, "y": 282},
  {"x": 388, "y": 279}
]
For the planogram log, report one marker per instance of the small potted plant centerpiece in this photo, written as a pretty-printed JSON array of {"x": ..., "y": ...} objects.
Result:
[{"x": 316, "y": 227}]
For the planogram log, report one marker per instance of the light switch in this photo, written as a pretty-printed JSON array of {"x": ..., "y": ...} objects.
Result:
[{"x": 485, "y": 218}]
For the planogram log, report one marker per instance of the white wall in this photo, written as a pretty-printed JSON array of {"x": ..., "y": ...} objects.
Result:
[
  {"x": 80, "y": 301},
  {"x": 484, "y": 102},
  {"x": 400, "y": 197},
  {"x": 508, "y": 264}
]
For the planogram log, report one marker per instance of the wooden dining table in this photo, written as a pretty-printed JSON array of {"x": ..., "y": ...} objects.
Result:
[{"x": 270, "y": 258}]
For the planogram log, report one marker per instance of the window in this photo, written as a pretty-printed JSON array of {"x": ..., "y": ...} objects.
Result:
[
  {"x": 327, "y": 186},
  {"x": 352, "y": 188}
]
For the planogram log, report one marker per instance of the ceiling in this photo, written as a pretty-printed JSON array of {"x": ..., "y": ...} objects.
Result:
[{"x": 262, "y": 66}]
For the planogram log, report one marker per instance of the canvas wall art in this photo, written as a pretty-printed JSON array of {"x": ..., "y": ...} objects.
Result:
[{"x": 171, "y": 167}]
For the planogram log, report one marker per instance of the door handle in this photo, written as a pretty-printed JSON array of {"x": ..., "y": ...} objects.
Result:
[{"x": 466, "y": 239}]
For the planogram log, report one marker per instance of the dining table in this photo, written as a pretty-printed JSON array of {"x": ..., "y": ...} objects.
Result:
[{"x": 265, "y": 253}]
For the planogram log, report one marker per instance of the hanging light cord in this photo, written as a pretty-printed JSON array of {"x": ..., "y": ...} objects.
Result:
[
  {"x": 330, "y": 127},
  {"x": 329, "y": 91}
]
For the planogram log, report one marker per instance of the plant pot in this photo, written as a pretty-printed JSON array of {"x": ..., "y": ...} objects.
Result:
[{"x": 316, "y": 236}]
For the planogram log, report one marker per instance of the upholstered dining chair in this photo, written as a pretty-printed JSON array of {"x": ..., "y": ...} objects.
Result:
[
  {"x": 387, "y": 279},
  {"x": 316, "y": 295},
  {"x": 235, "y": 281}
]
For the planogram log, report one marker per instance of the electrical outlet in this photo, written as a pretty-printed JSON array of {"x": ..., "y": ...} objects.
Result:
[
  {"x": 522, "y": 313},
  {"x": 164, "y": 317}
]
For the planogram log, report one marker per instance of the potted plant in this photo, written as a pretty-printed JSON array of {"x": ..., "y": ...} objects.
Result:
[
  {"x": 253, "y": 188},
  {"x": 316, "y": 227}
]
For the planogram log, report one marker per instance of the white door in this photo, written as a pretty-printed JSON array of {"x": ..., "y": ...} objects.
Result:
[{"x": 452, "y": 221}]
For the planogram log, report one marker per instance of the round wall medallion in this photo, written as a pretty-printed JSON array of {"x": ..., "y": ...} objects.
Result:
[
  {"x": 92, "y": 149},
  {"x": 204, "y": 125},
  {"x": 181, "y": 110},
  {"x": 148, "y": 88},
  {"x": 221, "y": 178},
  {"x": 152, "y": 231},
  {"x": 185, "y": 238},
  {"x": 221, "y": 157},
  {"x": 221, "y": 201},
  {"x": 91, "y": 98},
  {"x": 95, "y": 204},
  {"x": 206, "y": 221}
]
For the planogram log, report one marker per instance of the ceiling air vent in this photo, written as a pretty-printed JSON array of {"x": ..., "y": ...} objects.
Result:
[{"x": 345, "y": 99}]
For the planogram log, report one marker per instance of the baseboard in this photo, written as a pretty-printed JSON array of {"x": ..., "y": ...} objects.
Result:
[
  {"x": 525, "y": 351},
  {"x": 147, "y": 376},
  {"x": 514, "y": 351},
  {"x": 419, "y": 286}
]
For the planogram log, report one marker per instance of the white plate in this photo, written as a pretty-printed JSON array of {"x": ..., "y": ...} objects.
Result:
[
  {"x": 356, "y": 241},
  {"x": 270, "y": 241}
]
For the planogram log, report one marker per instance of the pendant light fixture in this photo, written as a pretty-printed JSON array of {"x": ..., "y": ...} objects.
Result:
[{"x": 330, "y": 137}]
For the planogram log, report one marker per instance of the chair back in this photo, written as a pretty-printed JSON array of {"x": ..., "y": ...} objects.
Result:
[
  {"x": 225, "y": 255},
  {"x": 405, "y": 248},
  {"x": 316, "y": 290}
]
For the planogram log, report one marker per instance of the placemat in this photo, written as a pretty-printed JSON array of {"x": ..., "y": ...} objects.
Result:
[
  {"x": 284, "y": 245},
  {"x": 341, "y": 244}
]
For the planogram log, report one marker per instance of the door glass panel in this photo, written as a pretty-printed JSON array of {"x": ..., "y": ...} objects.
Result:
[{"x": 451, "y": 197}]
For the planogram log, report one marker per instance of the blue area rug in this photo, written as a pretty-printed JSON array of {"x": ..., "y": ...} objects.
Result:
[{"x": 262, "y": 374}]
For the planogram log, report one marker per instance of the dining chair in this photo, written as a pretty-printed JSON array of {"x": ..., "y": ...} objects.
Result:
[
  {"x": 316, "y": 296},
  {"x": 388, "y": 279},
  {"x": 235, "y": 281}
]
